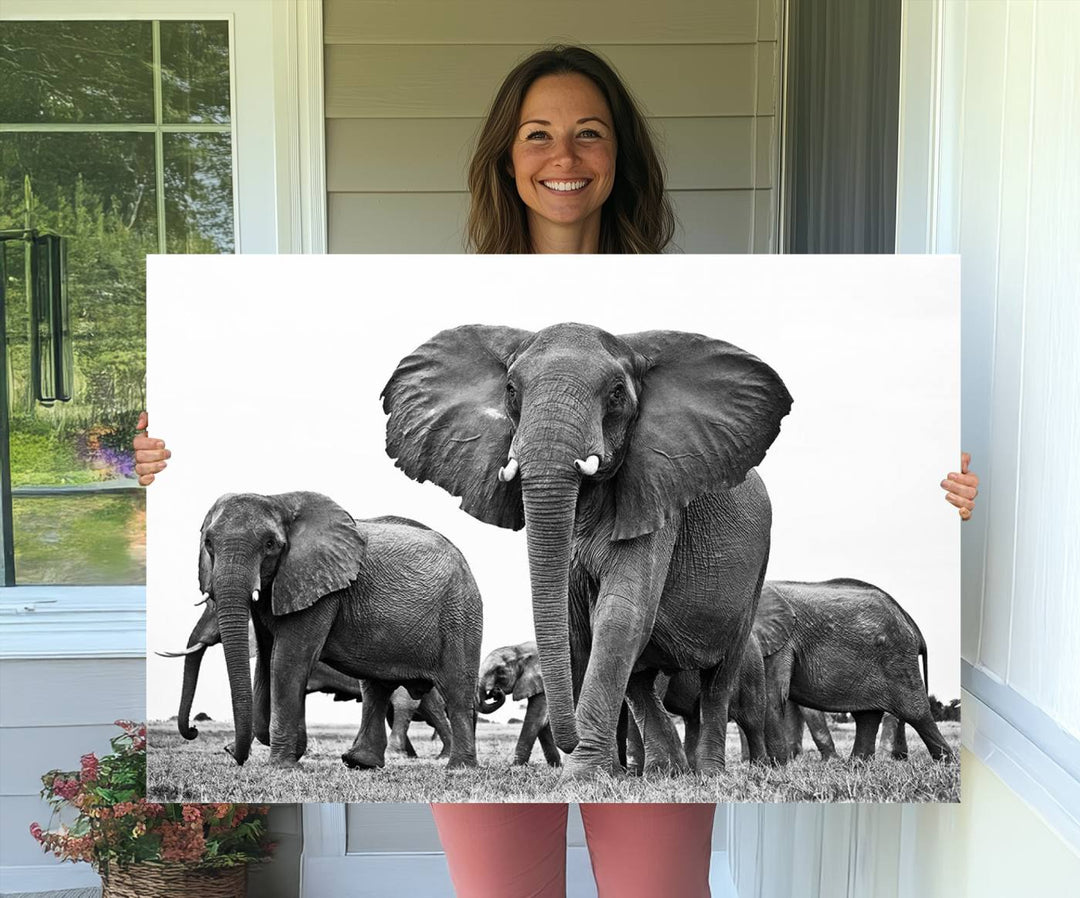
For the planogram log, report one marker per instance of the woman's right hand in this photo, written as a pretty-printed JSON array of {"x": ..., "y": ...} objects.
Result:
[{"x": 150, "y": 454}]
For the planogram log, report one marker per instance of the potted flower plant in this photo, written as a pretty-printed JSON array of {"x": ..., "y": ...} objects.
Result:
[{"x": 143, "y": 848}]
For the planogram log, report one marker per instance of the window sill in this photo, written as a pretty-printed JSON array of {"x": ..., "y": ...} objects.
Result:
[
  {"x": 73, "y": 622},
  {"x": 1034, "y": 756}
]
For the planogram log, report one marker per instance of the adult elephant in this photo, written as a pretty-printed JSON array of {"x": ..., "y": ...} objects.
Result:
[
  {"x": 401, "y": 710},
  {"x": 629, "y": 460},
  {"x": 388, "y": 601},
  {"x": 846, "y": 645},
  {"x": 515, "y": 670}
]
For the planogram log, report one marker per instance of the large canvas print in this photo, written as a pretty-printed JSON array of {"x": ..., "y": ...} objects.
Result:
[{"x": 524, "y": 528}]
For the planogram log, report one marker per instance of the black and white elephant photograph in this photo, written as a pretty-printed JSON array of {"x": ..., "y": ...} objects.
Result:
[{"x": 605, "y": 547}]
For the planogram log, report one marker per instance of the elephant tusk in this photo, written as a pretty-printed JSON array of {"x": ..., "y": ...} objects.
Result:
[
  {"x": 205, "y": 599},
  {"x": 509, "y": 472},
  {"x": 254, "y": 595},
  {"x": 199, "y": 646},
  {"x": 588, "y": 467}
]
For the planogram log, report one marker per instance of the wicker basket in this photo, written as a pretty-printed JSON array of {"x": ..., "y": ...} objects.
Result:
[{"x": 174, "y": 881}]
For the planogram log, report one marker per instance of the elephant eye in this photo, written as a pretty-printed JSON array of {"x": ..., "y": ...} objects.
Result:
[
  {"x": 510, "y": 391},
  {"x": 618, "y": 393}
]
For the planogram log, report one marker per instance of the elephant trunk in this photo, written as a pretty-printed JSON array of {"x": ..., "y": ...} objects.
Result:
[
  {"x": 550, "y": 504},
  {"x": 192, "y": 663},
  {"x": 489, "y": 702},
  {"x": 233, "y": 592}
]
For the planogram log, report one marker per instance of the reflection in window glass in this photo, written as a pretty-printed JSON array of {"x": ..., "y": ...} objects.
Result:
[
  {"x": 63, "y": 72},
  {"x": 195, "y": 71},
  {"x": 81, "y": 540},
  {"x": 98, "y": 190},
  {"x": 77, "y": 519},
  {"x": 198, "y": 193}
]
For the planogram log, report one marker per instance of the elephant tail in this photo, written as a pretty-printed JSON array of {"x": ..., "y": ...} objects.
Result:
[{"x": 925, "y": 663}]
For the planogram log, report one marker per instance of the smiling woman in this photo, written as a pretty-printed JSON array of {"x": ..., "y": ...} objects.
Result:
[{"x": 565, "y": 164}]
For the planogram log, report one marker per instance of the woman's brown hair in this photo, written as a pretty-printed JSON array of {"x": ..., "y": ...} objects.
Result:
[{"x": 636, "y": 218}]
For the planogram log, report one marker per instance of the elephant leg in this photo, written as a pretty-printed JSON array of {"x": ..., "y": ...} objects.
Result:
[
  {"x": 692, "y": 735},
  {"x": 866, "y": 729},
  {"x": 301, "y": 732},
  {"x": 744, "y": 746},
  {"x": 930, "y": 734},
  {"x": 899, "y": 744},
  {"x": 400, "y": 714},
  {"x": 663, "y": 749},
  {"x": 749, "y": 713},
  {"x": 893, "y": 740},
  {"x": 535, "y": 719},
  {"x": 717, "y": 684},
  {"x": 433, "y": 710},
  {"x": 260, "y": 706},
  {"x": 622, "y": 618},
  {"x": 635, "y": 748},
  {"x": 461, "y": 710},
  {"x": 794, "y": 724},
  {"x": 289, "y": 672},
  {"x": 547, "y": 743},
  {"x": 819, "y": 732},
  {"x": 369, "y": 748}
]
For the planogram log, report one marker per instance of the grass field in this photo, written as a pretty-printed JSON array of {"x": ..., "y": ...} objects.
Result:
[{"x": 200, "y": 771}]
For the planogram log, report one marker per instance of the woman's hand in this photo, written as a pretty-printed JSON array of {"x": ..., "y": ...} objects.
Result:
[
  {"x": 150, "y": 454},
  {"x": 962, "y": 488}
]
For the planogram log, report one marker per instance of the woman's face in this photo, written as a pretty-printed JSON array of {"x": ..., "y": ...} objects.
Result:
[{"x": 563, "y": 155}]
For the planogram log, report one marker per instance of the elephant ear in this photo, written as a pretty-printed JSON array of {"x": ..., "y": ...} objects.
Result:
[
  {"x": 707, "y": 412},
  {"x": 206, "y": 565},
  {"x": 447, "y": 421},
  {"x": 774, "y": 621},
  {"x": 529, "y": 681},
  {"x": 325, "y": 552}
]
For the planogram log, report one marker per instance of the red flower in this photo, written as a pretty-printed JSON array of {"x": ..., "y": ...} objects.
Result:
[
  {"x": 66, "y": 789},
  {"x": 192, "y": 814},
  {"x": 36, "y": 832},
  {"x": 89, "y": 768}
]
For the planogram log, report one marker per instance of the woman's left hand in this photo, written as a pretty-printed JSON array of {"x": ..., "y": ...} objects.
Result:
[{"x": 962, "y": 487}]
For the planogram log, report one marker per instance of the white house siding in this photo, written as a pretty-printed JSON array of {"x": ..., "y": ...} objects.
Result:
[{"x": 408, "y": 82}]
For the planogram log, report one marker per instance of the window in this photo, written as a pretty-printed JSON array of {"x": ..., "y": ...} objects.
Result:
[{"x": 117, "y": 135}]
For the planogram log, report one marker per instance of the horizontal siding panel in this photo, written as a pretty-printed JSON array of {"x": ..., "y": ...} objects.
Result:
[
  {"x": 28, "y": 752},
  {"x": 709, "y": 221},
  {"x": 386, "y": 154},
  {"x": 523, "y": 22},
  {"x": 64, "y": 693},
  {"x": 397, "y": 222},
  {"x": 713, "y": 221},
  {"x": 459, "y": 81},
  {"x": 432, "y": 154},
  {"x": 390, "y": 827}
]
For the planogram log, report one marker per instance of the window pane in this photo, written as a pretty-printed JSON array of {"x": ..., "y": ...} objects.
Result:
[
  {"x": 98, "y": 191},
  {"x": 76, "y": 72},
  {"x": 195, "y": 71},
  {"x": 81, "y": 540},
  {"x": 198, "y": 193}
]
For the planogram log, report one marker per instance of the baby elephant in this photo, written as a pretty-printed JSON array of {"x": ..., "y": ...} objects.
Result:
[
  {"x": 515, "y": 670},
  {"x": 846, "y": 645}
]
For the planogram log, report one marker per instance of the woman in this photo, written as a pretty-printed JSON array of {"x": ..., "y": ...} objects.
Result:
[{"x": 565, "y": 164}]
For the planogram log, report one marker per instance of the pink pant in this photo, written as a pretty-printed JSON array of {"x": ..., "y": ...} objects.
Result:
[{"x": 519, "y": 850}]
